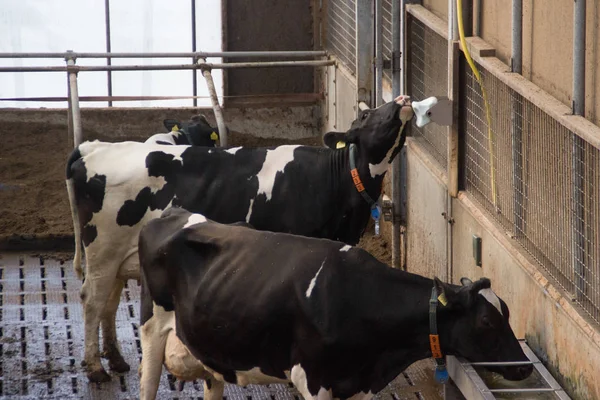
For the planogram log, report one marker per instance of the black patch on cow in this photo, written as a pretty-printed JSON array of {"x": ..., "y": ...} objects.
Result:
[
  {"x": 88, "y": 234},
  {"x": 89, "y": 195},
  {"x": 133, "y": 211},
  {"x": 75, "y": 155},
  {"x": 163, "y": 142},
  {"x": 158, "y": 164}
]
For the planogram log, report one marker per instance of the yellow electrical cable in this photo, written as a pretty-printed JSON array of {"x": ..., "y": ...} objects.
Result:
[{"x": 463, "y": 42}]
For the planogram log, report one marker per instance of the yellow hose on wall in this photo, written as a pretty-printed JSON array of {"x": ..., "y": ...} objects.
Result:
[{"x": 463, "y": 42}]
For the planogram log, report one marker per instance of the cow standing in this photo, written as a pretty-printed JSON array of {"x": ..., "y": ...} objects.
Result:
[
  {"x": 116, "y": 188},
  {"x": 232, "y": 304}
]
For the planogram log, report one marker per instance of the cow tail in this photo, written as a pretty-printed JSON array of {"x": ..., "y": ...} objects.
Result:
[
  {"x": 74, "y": 214},
  {"x": 76, "y": 229}
]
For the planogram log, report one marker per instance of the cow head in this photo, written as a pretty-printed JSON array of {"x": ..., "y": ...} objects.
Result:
[
  {"x": 477, "y": 327},
  {"x": 377, "y": 132},
  {"x": 198, "y": 131}
]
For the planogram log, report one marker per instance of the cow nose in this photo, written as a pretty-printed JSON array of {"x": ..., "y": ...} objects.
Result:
[{"x": 524, "y": 371}]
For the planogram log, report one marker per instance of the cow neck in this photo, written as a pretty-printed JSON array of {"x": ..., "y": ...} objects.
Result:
[{"x": 360, "y": 185}]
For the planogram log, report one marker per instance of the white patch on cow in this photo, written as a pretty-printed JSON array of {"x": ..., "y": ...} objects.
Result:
[
  {"x": 162, "y": 137},
  {"x": 491, "y": 297},
  {"x": 249, "y": 211},
  {"x": 406, "y": 114},
  {"x": 346, "y": 248},
  {"x": 233, "y": 150},
  {"x": 313, "y": 282},
  {"x": 275, "y": 162},
  {"x": 195, "y": 219},
  {"x": 298, "y": 378}
]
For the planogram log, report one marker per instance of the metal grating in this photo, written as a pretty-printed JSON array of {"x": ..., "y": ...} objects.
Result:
[
  {"x": 41, "y": 344},
  {"x": 427, "y": 75},
  {"x": 341, "y": 31},
  {"x": 386, "y": 35},
  {"x": 547, "y": 184}
]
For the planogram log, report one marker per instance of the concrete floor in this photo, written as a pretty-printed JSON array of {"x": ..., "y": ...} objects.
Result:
[{"x": 41, "y": 343}]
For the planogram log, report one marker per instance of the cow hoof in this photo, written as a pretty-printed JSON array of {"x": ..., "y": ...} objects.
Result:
[
  {"x": 118, "y": 365},
  {"x": 99, "y": 376}
]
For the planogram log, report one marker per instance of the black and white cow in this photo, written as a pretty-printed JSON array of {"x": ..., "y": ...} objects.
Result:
[
  {"x": 196, "y": 132},
  {"x": 116, "y": 188},
  {"x": 228, "y": 303}
]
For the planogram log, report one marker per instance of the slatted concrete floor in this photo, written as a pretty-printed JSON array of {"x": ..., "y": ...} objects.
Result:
[{"x": 41, "y": 343}]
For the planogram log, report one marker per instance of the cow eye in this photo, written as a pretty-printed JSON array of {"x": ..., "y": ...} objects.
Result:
[
  {"x": 486, "y": 322},
  {"x": 364, "y": 116}
]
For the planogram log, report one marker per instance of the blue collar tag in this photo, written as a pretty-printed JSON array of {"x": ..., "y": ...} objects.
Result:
[
  {"x": 375, "y": 212},
  {"x": 441, "y": 374}
]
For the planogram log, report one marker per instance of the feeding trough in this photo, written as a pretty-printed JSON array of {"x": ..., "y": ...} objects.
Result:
[{"x": 477, "y": 383}]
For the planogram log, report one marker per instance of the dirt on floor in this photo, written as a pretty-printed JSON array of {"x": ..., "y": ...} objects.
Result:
[{"x": 33, "y": 195}]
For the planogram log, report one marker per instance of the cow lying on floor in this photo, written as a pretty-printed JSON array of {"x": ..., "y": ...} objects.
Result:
[
  {"x": 196, "y": 132},
  {"x": 228, "y": 303},
  {"x": 116, "y": 188}
]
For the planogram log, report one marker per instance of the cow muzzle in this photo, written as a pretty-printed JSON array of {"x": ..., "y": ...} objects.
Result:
[{"x": 406, "y": 110}]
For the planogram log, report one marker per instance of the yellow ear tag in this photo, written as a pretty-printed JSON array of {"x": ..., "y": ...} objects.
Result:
[
  {"x": 214, "y": 136},
  {"x": 340, "y": 145},
  {"x": 175, "y": 128},
  {"x": 442, "y": 299}
]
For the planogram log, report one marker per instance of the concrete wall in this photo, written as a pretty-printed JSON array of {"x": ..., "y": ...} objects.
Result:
[
  {"x": 568, "y": 344},
  {"x": 547, "y": 44},
  {"x": 293, "y": 122},
  {"x": 268, "y": 25}
]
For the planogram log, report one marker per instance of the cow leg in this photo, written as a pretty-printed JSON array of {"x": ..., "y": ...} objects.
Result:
[
  {"x": 94, "y": 295},
  {"x": 213, "y": 389},
  {"x": 109, "y": 330},
  {"x": 154, "y": 340}
]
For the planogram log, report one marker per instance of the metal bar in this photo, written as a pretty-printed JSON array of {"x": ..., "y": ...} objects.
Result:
[
  {"x": 215, "y": 102},
  {"x": 301, "y": 96},
  {"x": 198, "y": 54},
  {"x": 378, "y": 54},
  {"x": 523, "y": 390},
  {"x": 500, "y": 363},
  {"x": 364, "y": 50},
  {"x": 108, "y": 48},
  {"x": 194, "y": 75},
  {"x": 258, "y": 64},
  {"x": 75, "y": 112},
  {"x": 517, "y": 119},
  {"x": 577, "y": 228},
  {"x": 396, "y": 172}
]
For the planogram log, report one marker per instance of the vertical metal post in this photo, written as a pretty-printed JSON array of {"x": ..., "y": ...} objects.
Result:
[
  {"x": 74, "y": 97},
  {"x": 215, "y": 103},
  {"x": 577, "y": 247},
  {"x": 378, "y": 54},
  {"x": 194, "y": 72},
  {"x": 364, "y": 50},
  {"x": 517, "y": 119},
  {"x": 453, "y": 138},
  {"x": 108, "y": 48},
  {"x": 395, "y": 176}
]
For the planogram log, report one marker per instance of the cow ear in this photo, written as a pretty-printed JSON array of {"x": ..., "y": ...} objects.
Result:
[
  {"x": 465, "y": 281},
  {"x": 483, "y": 283},
  {"x": 334, "y": 140},
  {"x": 447, "y": 295}
]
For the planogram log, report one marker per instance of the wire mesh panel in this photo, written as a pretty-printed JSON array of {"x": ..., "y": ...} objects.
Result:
[
  {"x": 341, "y": 31},
  {"x": 386, "y": 35},
  {"x": 539, "y": 180},
  {"x": 427, "y": 75}
]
